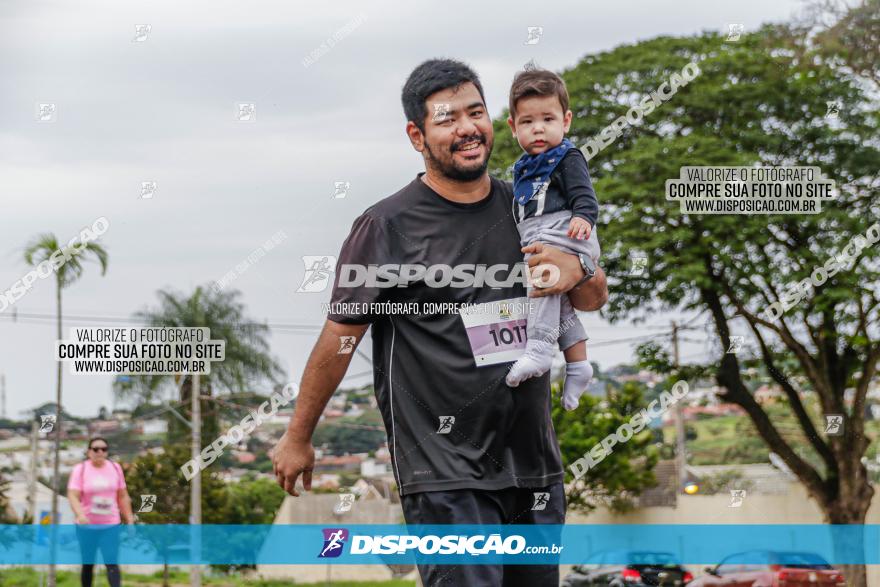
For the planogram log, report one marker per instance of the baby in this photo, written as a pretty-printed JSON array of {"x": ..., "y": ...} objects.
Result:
[{"x": 554, "y": 203}]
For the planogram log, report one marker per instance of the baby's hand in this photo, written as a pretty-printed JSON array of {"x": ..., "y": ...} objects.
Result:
[{"x": 579, "y": 228}]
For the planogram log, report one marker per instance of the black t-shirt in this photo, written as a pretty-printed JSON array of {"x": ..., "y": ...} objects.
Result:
[
  {"x": 425, "y": 368},
  {"x": 569, "y": 188}
]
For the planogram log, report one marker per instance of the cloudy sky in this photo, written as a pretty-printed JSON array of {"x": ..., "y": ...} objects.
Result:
[{"x": 162, "y": 107}]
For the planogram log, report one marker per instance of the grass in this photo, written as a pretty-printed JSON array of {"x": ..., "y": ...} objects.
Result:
[{"x": 29, "y": 577}]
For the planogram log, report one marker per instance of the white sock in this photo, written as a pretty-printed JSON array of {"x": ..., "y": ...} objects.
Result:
[
  {"x": 536, "y": 360},
  {"x": 577, "y": 377}
]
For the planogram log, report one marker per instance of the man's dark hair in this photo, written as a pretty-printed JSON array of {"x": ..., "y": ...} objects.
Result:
[
  {"x": 430, "y": 77},
  {"x": 537, "y": 82}
]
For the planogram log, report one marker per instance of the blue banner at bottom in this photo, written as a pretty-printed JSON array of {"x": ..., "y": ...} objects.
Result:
[{"x": 441, "y": 544}]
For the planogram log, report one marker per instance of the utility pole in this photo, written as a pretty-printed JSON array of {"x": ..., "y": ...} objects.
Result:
[
  {"x": 32, "y": 480},
  {"x": 195, "y": 495},
  {"x": 3, "y": 395},
  {"x": 680, "y": 448}
]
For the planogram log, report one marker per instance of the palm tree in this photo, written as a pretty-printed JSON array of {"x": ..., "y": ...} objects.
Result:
[
  {"x": 42, "y": 249},
  {"x": 247, "y": 360}
]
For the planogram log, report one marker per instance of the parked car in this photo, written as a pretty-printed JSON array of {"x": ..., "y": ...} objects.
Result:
[
  {"x": 628, "y": 568},
  {"x": 762, "y": 568}
]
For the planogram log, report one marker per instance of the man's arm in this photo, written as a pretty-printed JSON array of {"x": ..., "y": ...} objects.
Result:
[
  {"x": 587, "y": 297},
  {"x": 294, "y": 454},
  {"x": 591, "y": 295}
]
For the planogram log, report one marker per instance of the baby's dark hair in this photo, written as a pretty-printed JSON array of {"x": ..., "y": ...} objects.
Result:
[{"x": 537, "y": 82}]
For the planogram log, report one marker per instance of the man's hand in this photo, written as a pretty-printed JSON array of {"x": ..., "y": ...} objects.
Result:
[
  {"x": 579, "y": 228},
  {"x": 290, "y": 458},
  {"x": 570, "y": 270}
]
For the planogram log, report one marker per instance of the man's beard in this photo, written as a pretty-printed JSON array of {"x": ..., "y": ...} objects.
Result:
[{"x": 449, "y": 168}]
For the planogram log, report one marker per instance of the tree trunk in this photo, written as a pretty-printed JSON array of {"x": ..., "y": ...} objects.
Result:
[
  {"x": 851, "y": 509},
  {"x": 57, "y": 429}
]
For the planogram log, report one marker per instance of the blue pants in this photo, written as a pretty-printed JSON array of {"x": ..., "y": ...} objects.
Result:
[{"x": 103, "y": 538}]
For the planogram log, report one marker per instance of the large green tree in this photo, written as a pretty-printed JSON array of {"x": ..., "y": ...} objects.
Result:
[{"x": 762, "y": 100}]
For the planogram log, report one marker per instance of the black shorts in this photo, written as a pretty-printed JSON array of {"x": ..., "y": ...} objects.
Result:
[{"x": 471, "y": 506}]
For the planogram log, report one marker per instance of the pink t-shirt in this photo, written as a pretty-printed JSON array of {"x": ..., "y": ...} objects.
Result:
[{"x": 98, "y": 488}]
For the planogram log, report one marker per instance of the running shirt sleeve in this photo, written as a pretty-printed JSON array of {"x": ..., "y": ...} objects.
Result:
[
  {"x": 120, "y": 474},
  {"x": 76, "y": 478},
  {"x": 578, "y": 187},
  {"x": 367, "y": 244}
]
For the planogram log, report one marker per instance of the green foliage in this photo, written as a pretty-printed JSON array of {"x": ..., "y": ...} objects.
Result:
[
  {"x": 352, "y": 434},
  {"x": 44, "y": 246},
  {"x": 254, "y": 501},
  {"x": 724, "y": 481},
  {"x": 160, "y": 475},
  {"x": 28, "y": 577},
  {"x": 623, "y": 474}
]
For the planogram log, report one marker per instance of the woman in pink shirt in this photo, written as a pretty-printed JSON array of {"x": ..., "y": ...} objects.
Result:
[{"x": 98, "y": 497}]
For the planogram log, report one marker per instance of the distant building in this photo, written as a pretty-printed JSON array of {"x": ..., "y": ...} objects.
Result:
[
  {"x": 244, "y": 458},
  {"x": 374, "y": 468},
  {"x": 346, "y": 463},
  {"x": 154, "y": 426},
  {"x": 98, "y": 427},
  {"x": 768, "y": 395}
]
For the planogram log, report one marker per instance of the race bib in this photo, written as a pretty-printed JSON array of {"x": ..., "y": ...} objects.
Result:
[
  {"x": 102, "y": 506},
  {"x": 496, "y": 330}
]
